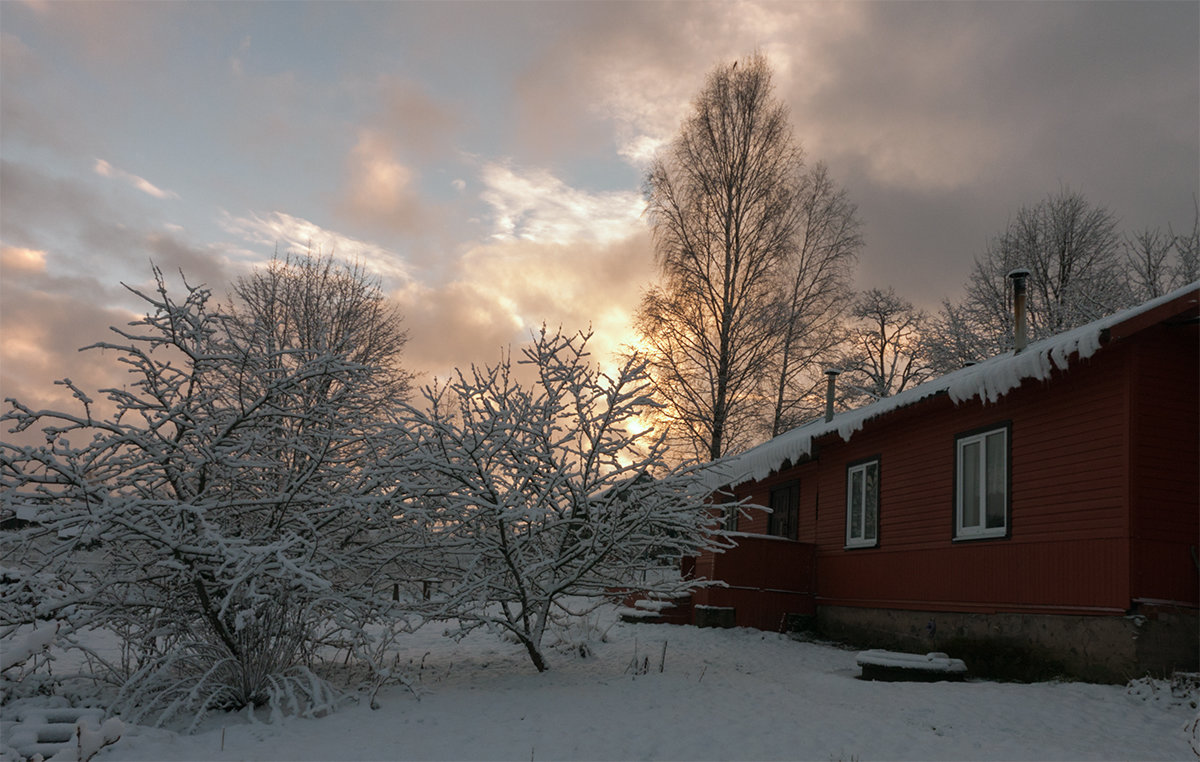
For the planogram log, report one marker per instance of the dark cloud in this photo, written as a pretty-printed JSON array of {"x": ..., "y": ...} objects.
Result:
[{"x": 943, "y": 118}]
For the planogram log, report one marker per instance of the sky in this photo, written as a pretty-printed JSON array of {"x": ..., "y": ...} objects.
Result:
[{"x": 485, "y": 160}]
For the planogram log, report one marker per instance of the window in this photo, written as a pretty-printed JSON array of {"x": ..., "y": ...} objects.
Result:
[
  {"x": 981, "y": 485},
  {"x": 862, "y": 504},
  {"x": 731, "y": 518},
  {"x": 785, "y": 511}
]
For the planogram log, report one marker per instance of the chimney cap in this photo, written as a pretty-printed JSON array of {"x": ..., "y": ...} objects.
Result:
[
  {"x": 832, "y": 371},
  {"x": 1018, "y": 272}
]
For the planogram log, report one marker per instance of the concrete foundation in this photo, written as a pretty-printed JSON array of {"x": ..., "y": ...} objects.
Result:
[{"x": 1106, "y": 649}]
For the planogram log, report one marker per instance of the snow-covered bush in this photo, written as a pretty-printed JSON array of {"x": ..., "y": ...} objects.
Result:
[
  {"x": 545, "y": 498},
  {"x": 231, "y": 521}
]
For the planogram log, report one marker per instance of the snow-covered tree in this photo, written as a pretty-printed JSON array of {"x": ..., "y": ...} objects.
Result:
[
  {"x": 1187, "y": 255},
  {"x": 228, "y": 523},
  {"x": 544, "y": 498}
]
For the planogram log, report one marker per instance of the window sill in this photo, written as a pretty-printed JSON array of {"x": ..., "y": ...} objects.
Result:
[
  {"x": 993, "y": 535},
  {"x": 860, "y": 545}
]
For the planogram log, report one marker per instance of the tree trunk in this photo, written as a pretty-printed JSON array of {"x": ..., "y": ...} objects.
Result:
[{"x": 535, "y": 654}]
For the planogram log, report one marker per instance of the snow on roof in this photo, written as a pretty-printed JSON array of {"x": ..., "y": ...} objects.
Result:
[{"x": 989, "y": 380}]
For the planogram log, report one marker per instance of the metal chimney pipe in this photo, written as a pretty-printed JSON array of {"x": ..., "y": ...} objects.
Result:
[
  {"x": 831, "y": 374},
  {"x": 1020, "y": 331}
]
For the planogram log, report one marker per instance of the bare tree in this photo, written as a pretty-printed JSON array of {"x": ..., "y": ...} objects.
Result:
[
  {"x": 303, "y": 306},
  {"x": 1187, "y": 253},
  {"x": 543, "y": 499},
  {"x": 724, "y": 203},
  {"x": 887, "y": 350},
  {"x": 1147, "y": 260},
  {"x": 1072, "y": 250},
  {"x": 954, "y": 339},
  {"x": 813, "y": 293}
]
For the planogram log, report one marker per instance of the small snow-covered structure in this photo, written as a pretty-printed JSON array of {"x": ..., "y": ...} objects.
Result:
[
  {"x": 1047, "y": 498},
  {"x": 892, "y": 666}
]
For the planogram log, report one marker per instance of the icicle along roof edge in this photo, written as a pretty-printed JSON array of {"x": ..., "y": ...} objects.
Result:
[{"x": 988, "y": 380}]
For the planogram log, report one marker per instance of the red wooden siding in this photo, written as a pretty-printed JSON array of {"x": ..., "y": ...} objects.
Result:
[
  {"x": 1045, "y": 577},
  {"x": 1166, "y": 465},
  {"x": 766, "y": 578},
  {"x": 1069, "y": 487}
]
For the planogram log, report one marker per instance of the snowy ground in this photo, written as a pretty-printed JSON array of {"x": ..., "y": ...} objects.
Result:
[{"x": 723, "y": 694}]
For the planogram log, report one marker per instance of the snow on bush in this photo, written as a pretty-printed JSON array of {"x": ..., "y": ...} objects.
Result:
[
  {"x": 230, "y": 521},
  {"x": 22, "y": 647},
  {"x": 536, "y": 493},
  {"x": 89, "y": 741}
]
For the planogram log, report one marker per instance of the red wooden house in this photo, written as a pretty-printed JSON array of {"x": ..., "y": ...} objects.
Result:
[{"x": 1047, "y": 497}]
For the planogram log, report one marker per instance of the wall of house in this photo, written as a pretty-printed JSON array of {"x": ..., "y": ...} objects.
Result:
[
  {"x": 1100, "y": 568},
  {"x": 767, "y": 581},
  {"x": 1165, "y": 522},
  {"x": 1066, "y": 551}
]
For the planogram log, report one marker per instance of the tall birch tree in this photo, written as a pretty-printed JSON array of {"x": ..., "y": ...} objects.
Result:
[{"x": 724, "y": 204}]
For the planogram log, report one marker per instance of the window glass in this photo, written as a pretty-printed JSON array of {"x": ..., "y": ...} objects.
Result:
[
  {"x": 969, "y": 488},
  {"x": 862, "y": 503},
  {"x": 997, "y": 479},
  {"x": 856, "y": 503},
  {"x": 870, "y": 500}
]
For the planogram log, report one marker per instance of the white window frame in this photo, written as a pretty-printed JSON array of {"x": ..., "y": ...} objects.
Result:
[
  {"x": 981, "y": 440},
  {"x": 859, "y": 538}
]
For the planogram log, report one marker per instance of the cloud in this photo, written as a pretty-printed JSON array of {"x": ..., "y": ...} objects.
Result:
[
  {"x": 380, "y": 192},
  {"x": 639, "y": 70},
  {"x": 46, "y": 319},
  {"x": 415, "y": 121},
  {"x": 407, "y": 131},
  {"x": 81, "y": 230},
  {"x": 501, "y": 291},
  {"x": 534, "y": 205},
  {"x": 282, "y": 230},
  {"x": 236, "y": 67},
  {"x": 115, "y": 34},
  {"x": 16, "y": 259},
  {"x": 104, "y": 169},
  {"x": 554, "y": 254}
]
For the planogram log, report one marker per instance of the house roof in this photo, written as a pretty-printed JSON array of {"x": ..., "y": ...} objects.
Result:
[{"x": 989, "y": 381}]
